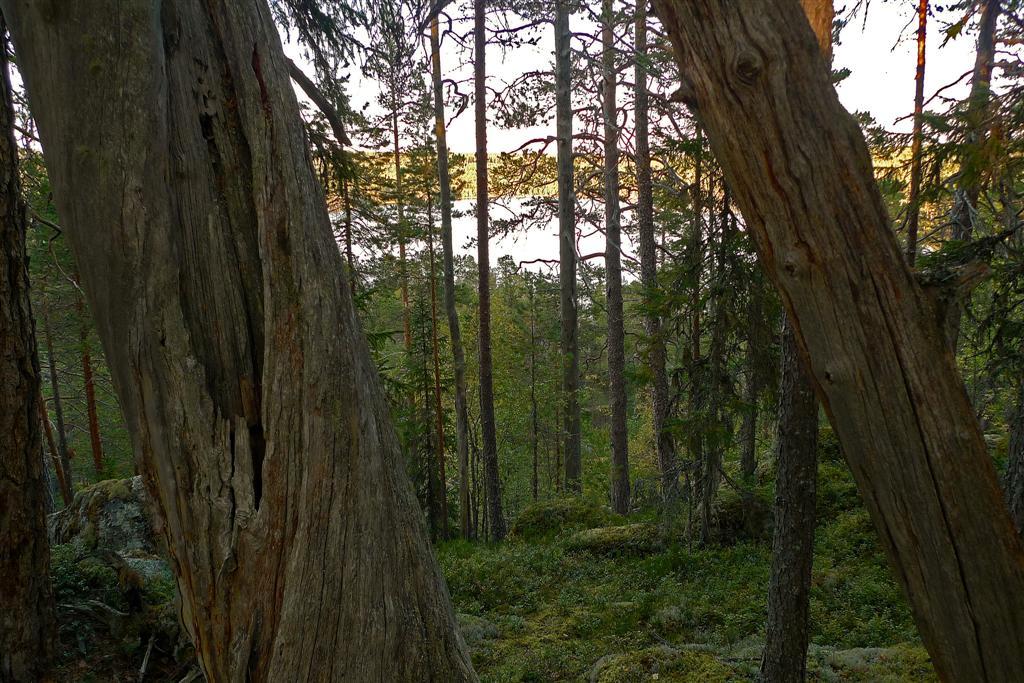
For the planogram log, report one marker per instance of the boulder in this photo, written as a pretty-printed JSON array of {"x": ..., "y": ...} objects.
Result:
[
  {"x": 612, "y": 541},
  {"x": 109, "y": 515}
]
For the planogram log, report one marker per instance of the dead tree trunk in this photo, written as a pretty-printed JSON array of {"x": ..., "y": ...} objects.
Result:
[
  {"x": 454, "y": 330},
  {"x": 257, "y": 418},
  {"x": 567, "y": 249},
  {"x": 613, "y": 272},
  {"x": 27, "y": 621},
  {"x": 801, "y": 173},
  {"x": 488, "y": 430}
]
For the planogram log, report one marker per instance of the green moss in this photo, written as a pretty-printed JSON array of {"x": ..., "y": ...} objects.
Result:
[
  {"x": 612, "y": 541},
  {"x": 668, "y": 664},
  {"x": 550, "y": 517}
]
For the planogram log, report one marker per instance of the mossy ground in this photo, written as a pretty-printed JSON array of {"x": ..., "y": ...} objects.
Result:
[{"x": 679, "y": 611}]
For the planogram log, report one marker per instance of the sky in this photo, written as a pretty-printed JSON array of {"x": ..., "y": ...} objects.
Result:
[{"x": 879, "y": 49}]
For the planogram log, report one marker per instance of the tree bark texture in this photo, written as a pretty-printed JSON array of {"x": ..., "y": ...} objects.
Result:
[
  {"x": 27, "y": 621},
  {"x": 613, "y": 271},
  {"x": 789, "y": 589},
  {"x": 178, "y": 159},
  {"x": 1013, "y": 479},
  {"x": 567, "y": 249},
  {"x": 656, "y": 354},
  {"x": 488, "y": 429},
  {"x": 801, "y": 173}
]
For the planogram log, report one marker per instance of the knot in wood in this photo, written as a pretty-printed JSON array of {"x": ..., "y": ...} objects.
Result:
[{"x": 747, "y": 66}]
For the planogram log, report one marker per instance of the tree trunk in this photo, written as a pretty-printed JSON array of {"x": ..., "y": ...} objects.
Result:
[
  {"x": 90, "y": 387},
  {"x": 258, "y": 421},
  {"x": 1013, "y": 480},
  {"x": 789, "y": 589},
  {"x": 58, "y": 405},
  {"x": 63, "y": 480},
  {"x": 438, "y": 407},
  {"x": 914, "y": 200},
  {"x": 801, "y": 173},
  {"x": 403, "y": 270},
  {"x": 454, "y": 331},
  {"x": 488, "y": 430},
  {"x": 567, "y": 249},
  {"x": 27, "y": 620},
  {"x": 751, "y": 386},
  {"x": 534, "y": 429},
  {"x": 656, "y": 354},
  {"x": 613, "y": 272},
  {"x": 968, "y": 179}
]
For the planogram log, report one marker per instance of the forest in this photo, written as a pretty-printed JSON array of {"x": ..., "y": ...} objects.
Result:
[{"x": 508, "y": 340}]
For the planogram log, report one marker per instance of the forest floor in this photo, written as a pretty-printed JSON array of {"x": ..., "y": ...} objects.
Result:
[
  {"x": 579, "y": 594},
  {"x": 618, "y": 603}
]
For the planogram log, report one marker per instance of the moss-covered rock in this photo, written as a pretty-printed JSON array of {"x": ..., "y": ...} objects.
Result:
[
  {"x": 550, "y": 517},
  {"x": 667, "y": 663},
  {"x": 743, "y": 516},
  {"x": 613, "y": 541},
  {"x": 112, "y": 515}
]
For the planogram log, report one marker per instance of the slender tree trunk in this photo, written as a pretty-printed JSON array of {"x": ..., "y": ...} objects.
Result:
[
  {"x": 438, "y": 407},
  {"x": 697, "y": 377},
  {"x": 789, "y": 589},
  {"x": 879, "y": 361},
  {"x": 90, "y": 387},
  {"x": 567, "y": 249},
  {"x": 27, "y": 620},
  {"x": 534, "y": 429},
  {"x": 454, "y": 330},
  {"x": 613, "y": 272},
  {"x": 649, "y": 271},
  {"x": 968, "y": 179},
  {"x": 63, "y": 480},
  {"x": 914, "y": 200},
  {"x": 258, "y": 420},
  {"x": 350, "y": 259},
  {"x": 58, "y": 405},
  {"x": 487, "y": 426},
  {"x": 1013, "y": 480},
  {"x": 751, "y": 386},
  {"x": 400, "y": 211}
]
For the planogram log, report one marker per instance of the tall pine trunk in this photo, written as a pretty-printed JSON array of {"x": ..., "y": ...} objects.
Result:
[
  {"x": 258, "y": 420},
  {"x": 439, "y": 442},
  {"x": 488, "y": 429},
  {"x": 454, "y": 329},
  {"x": 567, "y": 249},
  {"x": 877, "y": 356},
  {"x": 656, "y": 355},
  {"x": 613, "y": 271},
  {"x": 89, "y": 383},
  {"x": 914, "y": 199},
  {"x": 27, "y": 620}
]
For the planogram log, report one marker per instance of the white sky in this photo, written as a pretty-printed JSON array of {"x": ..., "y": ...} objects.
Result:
[{"x": 880, "y": 52}]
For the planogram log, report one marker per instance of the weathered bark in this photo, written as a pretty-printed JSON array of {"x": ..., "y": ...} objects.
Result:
[
  {"x": 1013, "y": 479},
  {"x": 58, "y": 406},
  {"x": 488, "y": 430},
  {"x": 27, "y": 620},
  {"x": 914, "y": 198},
  {"x": 801, "y": 174},
  {"x": 613, "y": 271},
  {"x": 439, "y": 443},
  {"x": 454, "y": 329},
  {"x": 258, "y": 421},
  {"x": 656, "y": 355},
  {"x": 789, "y": 589},
  {"x": 89, "y": 383},
  {"x": 567, "y": 249}
]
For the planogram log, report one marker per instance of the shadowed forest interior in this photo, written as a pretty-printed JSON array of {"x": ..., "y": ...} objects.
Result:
[{"x": 458, "y": 340}]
